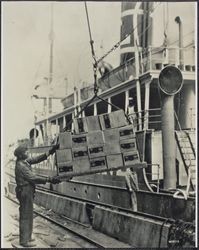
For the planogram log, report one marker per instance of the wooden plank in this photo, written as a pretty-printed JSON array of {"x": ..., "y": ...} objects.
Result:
[
  {"x": 126, "y": 132},
  {"x": 134, "y": 167},
  {"x": 93, "y": 123},
  {"x": 63, "y": 155},
  {"x": 65, "y": 140},
  {"x": 80, "y": 125},
  {"x": 98, "y": 163},
  {"x": 80, "y": 153},
  {"x": 81, "y": 165},
  {"x": 130, "y": 158},
  {"x": 79, "y": 140},
  {"x": 128, "y": 145},
  {"x": 111, "y": 135},
  {"x": 96, "y": 150},
  {"x": 95, "y": 137},
  {"x": 112, "y": 148},
  {"x": 113, "y": 120},
  {"x": 114, "y": 160}
]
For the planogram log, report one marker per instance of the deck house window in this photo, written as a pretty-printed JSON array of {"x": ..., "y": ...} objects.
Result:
[
  {"x": 68, "y": 120},
  {"x": 119, "y": 101},
  {"x": 154, "y": 108},
  {"x": 89, "y": 111},
  {"x": 102, "y": 107},
  {"x": 60, "y": 123},
  {"x": 132, "y": 93}
]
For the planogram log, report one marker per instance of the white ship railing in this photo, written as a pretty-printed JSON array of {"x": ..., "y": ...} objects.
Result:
[
  {"x": 192, "y": 115},
  {"x": 148, "y": 119},
  {"x": 155, "y": 58},
  {"x": 151, "y": 58}
]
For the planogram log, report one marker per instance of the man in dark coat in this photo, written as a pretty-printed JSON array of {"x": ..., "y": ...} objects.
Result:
[{"x": 26, "y": 180}]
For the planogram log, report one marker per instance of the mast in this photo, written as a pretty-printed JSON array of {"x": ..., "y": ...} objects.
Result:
[
  {"x": 51, "y": 36},
  {"x": 49, "y": 79}
]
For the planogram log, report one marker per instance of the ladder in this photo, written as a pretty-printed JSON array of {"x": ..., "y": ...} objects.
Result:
[
  {"x": 191, "y": 142},
  {"x": 187, "y": 153}
]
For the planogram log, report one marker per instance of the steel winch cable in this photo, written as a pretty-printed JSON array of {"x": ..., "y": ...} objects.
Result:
[
  {"x": 90, "y": 101},
  {"x": 95, "y": 64},
  {"x": 115, "y": 46},
  {"x": 96, "y": 88},
  {"x": 95, "y": 68}
]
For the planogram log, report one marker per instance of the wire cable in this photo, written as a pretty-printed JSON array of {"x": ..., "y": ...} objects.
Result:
[
  {"x": 127, "y": 35},
  {"x": 95, "y": 64}
]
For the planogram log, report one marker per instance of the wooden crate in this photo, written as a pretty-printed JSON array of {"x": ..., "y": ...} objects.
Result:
[
  {"x": 63, "y": 156},
  {"x": 96, "y": 150},
  {"x": 81, "y": 165},
  {"x": 79, "y": 140},
  {"x": 130, "y": 158},
  {"x": 114, "y": 161},
  {"x": 113, "y": 120},
  {"x": 93, "y": 123},
  {"x": 118, "y": 119},
  {"x": 65, "y": 140},
  {"x": 98, "y": 163},
  {"x": 112, "y": 148},
  {"x": 126, "y": 132},
  {"x": 80, "y": 153},
  {"x": 95, "y": 137},
  {"x": 80, "y": 125},
  {"x": 66, "y": 168},
  {"x": 111, "y": 135},
  {"x": 128, "y": 145}
]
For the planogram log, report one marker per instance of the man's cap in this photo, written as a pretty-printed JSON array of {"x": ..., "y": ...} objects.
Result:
[{"x": 20, "y": 150}]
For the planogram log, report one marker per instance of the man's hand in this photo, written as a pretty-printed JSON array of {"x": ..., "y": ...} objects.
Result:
[
  {"x": 54, "y": 180},
  {"x": 53, "y": 149},
  {"x": 68, "y": 178}
]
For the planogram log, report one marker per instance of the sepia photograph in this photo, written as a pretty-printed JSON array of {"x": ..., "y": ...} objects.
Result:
[{"x": 99, "y": 124}]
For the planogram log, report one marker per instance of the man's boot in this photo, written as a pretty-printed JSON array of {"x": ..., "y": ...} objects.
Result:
[
  {"x": 28, "y": 244},
  {"x": 32, "y": 240}
]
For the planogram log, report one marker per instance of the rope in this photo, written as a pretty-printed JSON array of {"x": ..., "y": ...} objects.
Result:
[
  {"x": 180, "y": 233},
  {"x": 180, "y": 191},
  {"x": 118, "y": 43},
  {"x": 127, "y": 35},
  {"x": 113, "y": 105},
  {"x": 79, "y": 112},
  {"x": 95, "y": 64},
  {"x": 91, "y": 100},
  {"x": 95, "y": 67},
  {"x": 161, "y": 230}
]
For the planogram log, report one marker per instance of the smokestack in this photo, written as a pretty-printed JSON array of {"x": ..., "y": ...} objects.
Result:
[
  {"x": 136, "y": 21},
  {"x": 170, "y": 83}
]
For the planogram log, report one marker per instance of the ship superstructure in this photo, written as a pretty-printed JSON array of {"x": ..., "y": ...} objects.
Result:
[
  {"x": 133, "y": 86},
  {"x": 136, "y": 78}
]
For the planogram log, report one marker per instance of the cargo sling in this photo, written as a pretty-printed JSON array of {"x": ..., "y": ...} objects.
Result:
[{"x": 91, "y": 149}]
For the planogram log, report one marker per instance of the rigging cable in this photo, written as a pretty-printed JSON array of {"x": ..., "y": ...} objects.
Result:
[
  {"x": 115, "y": 47},
  {"x": 38, "y": 68},
  {"x": 95, "y": 64},
  {"x": 118, "y": 43},
  {"x": 97, "y": 61}
]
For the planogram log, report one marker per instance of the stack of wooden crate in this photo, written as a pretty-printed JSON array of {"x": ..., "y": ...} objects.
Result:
[{"x": 100, "y": 142}]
